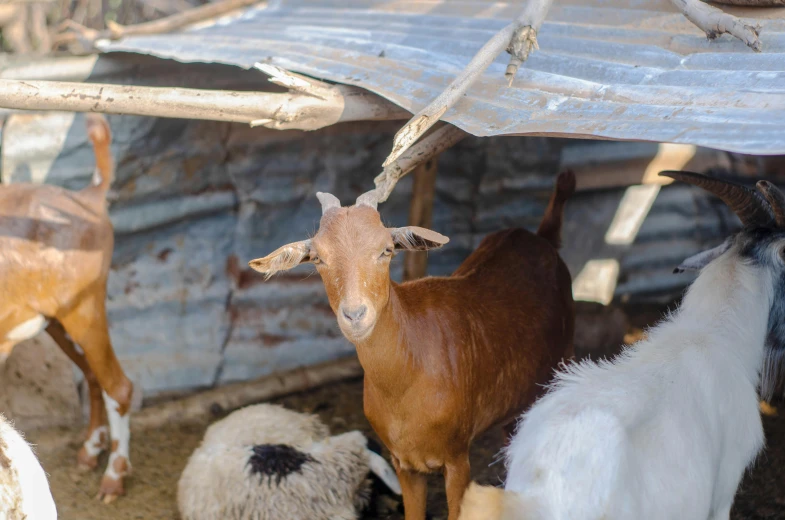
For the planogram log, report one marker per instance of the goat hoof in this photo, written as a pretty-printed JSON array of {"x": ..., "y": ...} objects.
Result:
[
  {"x": 110, "y": 489},
  {"x": 84, "y": 462}
]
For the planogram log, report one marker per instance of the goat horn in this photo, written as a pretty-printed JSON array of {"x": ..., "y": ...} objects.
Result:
[
  {"x": 752, "y": 209},
  {"x": 776, "y": 200},
  {"x": 328, "y": 201},
  {"x": 370, "y": 198}
]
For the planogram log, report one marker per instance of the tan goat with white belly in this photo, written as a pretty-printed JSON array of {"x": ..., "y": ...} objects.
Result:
[{"x": 55, "y": 250}]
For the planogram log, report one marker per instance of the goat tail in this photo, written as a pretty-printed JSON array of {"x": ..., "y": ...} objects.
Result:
[
  {"x": 490, "y": 503},
  {"x": 550, "y": 227},
  {"x": 101, "y": 137}
]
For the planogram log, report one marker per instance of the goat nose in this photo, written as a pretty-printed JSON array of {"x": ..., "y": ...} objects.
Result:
[{"x": 354, "y": 314}]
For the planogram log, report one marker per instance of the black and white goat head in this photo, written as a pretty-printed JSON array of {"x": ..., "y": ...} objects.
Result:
[{"x": 760, "y": 243}]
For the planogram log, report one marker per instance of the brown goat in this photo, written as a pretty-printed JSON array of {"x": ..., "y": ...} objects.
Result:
[
  {"x": 55, "y": 251},
  {"x": 445, "y": 358}
]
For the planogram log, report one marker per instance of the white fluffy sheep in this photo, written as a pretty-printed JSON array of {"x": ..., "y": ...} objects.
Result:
[
  {"x": 24, "y": 490},
  {"x": 265, "y": 462}
]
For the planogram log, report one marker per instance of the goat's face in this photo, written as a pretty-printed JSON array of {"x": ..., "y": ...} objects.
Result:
[{"x": 352, "y": 252}]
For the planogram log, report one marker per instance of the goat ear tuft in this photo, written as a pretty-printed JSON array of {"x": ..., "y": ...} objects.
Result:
[
  {"x": 413, "y": 238},
  {"x": 283, "y": 258},
  {"x": 702, "y": 259}
]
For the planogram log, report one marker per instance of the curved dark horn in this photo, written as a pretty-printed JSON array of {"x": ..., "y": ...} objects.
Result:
[
  {"x": 776, "y": 200},
  {"x": 328, "y": 201},
  {"x": 746, "y": 203},
  {"x": 370, "y": 198}
]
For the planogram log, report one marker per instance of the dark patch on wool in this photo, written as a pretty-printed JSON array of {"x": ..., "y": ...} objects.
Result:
[
  {"x": 276, "y": 461},
  {"x": 373, "y": 446}
]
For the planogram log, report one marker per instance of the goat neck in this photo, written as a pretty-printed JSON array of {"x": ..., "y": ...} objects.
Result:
[
  {"x": 387, "y": 354},
  {"x": 730, "y": 300}
]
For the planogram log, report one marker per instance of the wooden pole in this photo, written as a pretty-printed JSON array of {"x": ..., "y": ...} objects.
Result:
[
  {"x": 715, "y": 22},
  {"x": 309, "y": 104},
  {"x": 415, "y": 263},
  {"x": 430, "y": 146},
  {"x": 519, "y": 38},
  {"x": 171, "y": 23}
]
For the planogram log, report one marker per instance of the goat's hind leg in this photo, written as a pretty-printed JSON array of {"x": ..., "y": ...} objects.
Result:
[
  {"x": 86, "y": 324},
  {"x": 97, "y": 431}
]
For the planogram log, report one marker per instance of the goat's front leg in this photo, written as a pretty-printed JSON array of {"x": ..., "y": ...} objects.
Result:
[
  {"x": 97, "y": 432},
  {"x": 414, "y": 488},
  {"x": 457, "y": 475},
  {"x": 86, "y": 324}
]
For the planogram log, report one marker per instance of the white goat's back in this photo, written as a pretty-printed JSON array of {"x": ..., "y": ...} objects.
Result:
[
  {"x": 24, "y": 490},
  {"x": 663, "y": 431},
  {"x": 594, "y": 461}
]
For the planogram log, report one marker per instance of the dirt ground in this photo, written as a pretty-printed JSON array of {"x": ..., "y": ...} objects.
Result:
[{"x": 159, "y": 456}]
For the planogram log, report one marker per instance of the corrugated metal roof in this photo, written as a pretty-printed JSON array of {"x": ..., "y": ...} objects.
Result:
[{"x": 617, "y": 69}]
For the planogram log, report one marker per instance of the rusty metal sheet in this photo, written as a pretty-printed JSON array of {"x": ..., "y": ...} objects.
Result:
[{"x": 610, "y": 69}]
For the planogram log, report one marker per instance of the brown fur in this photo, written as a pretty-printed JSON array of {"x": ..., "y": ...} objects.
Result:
[
  {"x": 445, "y": 358},
  {"x": 550, "y": 227},
  {"x": 55, "y": 252}
]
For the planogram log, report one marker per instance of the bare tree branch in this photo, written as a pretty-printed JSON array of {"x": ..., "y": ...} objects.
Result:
[
  {"x": 432, "y": 145},
  {"x": 752, "y": 3},
  {"x": 415, "y": 263},
  {"x": 162, "y": 25},
  {"x": 523, "y": 42},
  {"x": 291, "y": 110},
  {"x": 518, "y": 38},
  {"x": 715, "y": 22}
]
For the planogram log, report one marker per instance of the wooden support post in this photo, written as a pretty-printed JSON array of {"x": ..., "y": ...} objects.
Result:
[
  {"x": 415, "y": 263},
  {"x": 309, "y": 104}
]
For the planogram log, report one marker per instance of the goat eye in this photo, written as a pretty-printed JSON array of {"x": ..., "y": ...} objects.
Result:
[
  {"x": 387, "y": 252},
  {"x": 316, "y": 260}
]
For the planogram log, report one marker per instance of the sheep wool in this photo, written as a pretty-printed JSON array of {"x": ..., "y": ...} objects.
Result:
[
  {"x": 24, "y": 490},
  {"x": 264, "y": 462}
]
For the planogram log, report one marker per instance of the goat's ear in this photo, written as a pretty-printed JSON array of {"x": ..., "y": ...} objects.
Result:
[
  {"x": 702, "y": 259},
  {"x": 283, "y": 258},
  {"x": 415, "y": 238}
]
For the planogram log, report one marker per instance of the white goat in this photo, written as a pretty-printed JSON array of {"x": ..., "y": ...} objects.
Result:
[
  {"x": 667, "y": 429},
  {"x": 24, "y": 490},
  {"x": 264, "y": 462}
]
